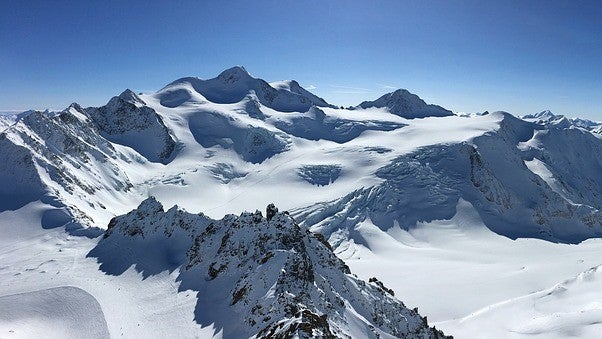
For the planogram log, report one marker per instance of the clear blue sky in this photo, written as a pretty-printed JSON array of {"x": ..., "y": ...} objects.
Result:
[{"x": 519, "y": 56}]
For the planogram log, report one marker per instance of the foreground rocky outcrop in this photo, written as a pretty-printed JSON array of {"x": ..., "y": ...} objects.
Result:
[{"x": 256, "y": 276}]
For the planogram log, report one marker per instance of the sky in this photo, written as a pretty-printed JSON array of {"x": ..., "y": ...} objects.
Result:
[{"x": 468, "y": 56}]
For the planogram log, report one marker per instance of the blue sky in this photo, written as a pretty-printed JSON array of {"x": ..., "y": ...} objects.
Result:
[{"x": 518, "y": 56}]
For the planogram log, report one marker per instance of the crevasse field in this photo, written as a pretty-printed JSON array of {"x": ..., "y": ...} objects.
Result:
[{"x": 489, "y": 224}]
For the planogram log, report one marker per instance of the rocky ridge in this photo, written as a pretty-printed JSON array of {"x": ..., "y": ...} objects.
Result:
[{"x": 256, "y": 276}]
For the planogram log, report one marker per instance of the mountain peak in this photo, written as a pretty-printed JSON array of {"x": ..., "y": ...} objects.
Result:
[
  {"x": 543, "y": 115},
  {"x": 129, "y": 96},
  {"x": 234, "y": 74},
  {"x": 259, "y": 276},
  {"x": 75, "y": 106},
  {"x": 547, "y": 118},
  {"x": 401, "y": 91},
  {"x": 128, "y": 120},
  {"x": 235, "y": 84},
  {"x": 407, "y": 105}
]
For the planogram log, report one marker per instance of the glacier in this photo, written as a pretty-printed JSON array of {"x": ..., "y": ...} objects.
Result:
[{"x": 409, "y": 195}]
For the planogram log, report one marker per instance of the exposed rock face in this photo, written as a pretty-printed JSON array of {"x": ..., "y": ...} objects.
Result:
[
  {"x": 320, "y": 175},
  {"x": 256, "y": 277},
  {"x": 127, "y": 120},
  {"x": 407, "y": 105},
  {"x": 58, "y": 158},
  {"x": 271, "y": 211},
  {"x": 491, "y": 173}
]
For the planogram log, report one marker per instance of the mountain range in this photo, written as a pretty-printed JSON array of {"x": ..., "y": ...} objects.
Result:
[{"x": 355, "y": 183}]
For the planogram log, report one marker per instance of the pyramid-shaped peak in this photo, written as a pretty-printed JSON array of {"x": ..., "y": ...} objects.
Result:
[
  {"x": 545, "y": 115},
  {"x": 401, "y": 91},
  {"x": 75, "y": 106},
  {"x": 129, "y": 96},
  {"x": 406, "y": 104},
  {"x": 234, "y": 74},
  {"x": 404, "y": 94},
  {"x": 150, "y": 204}
]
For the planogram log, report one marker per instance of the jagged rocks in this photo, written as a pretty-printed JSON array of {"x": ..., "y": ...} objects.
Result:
[
  {"x": 256, "y": 277},
  {"x": 127, "y": 120},
  {"x": 271, "y": 211},
  {"x": 57, "y": 157},
  {"x": 320, "y": 175},
  {"x": 491, "y": 173}
]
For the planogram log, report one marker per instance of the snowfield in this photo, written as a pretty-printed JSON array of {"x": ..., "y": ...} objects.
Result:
[
  {"x": 489, "y": 224},
  {"x": 60, "y": 312}
]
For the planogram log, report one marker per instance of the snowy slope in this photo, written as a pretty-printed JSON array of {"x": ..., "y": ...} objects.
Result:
[
  {"x": 232, "y": 85},
  {"x": 570, "y": 308},
  {"x": 397, "y": 197},
  {"x": 7, "y": 119},
  {"x": 489, "y": 172},
  {"x": 60, "y": 312},
  {"x": 126, "y": 120},
  {"x": 61, "y": 158}
]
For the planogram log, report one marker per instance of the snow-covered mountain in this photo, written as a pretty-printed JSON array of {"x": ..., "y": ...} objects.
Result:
[
  {"x": 257, "y": 276},
  {"x": 61, "y": 159},
  {"x": 523, "y": 180},
  {"x": 548, "y": 118},
  {"x": 233, "y": 85},
  {"x": 7, "y": 119},
  {"x": 128, "y": 121},
  {"x": 388, "y": 180},
  {"x": 407, "y": 105}
]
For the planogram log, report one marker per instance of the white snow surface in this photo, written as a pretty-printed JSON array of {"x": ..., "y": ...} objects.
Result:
[
  {"x": 547, "y": 118},
  {"x": 405, "y": 104},
  {"x": 475, "y": 220},
  {"x": 60, "y": 312}
]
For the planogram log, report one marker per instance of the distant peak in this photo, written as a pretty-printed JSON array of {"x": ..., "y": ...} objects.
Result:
[
  {"x": 129, "y": 96},
  {"x": 543, "y": 115},
  {"x": 126, "y": 96},
  {"x": 150, "y": 204},
  {"x": 235, "y": 84},
  {"x": 401, "y": 91},
  {"x": 75, "y": 106},
  {"x": 403, "y": 103},
  {"x": 237, "y": 69},
  {"x": 292, "y": 83},
  {"x": 233, "y": 74}
]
